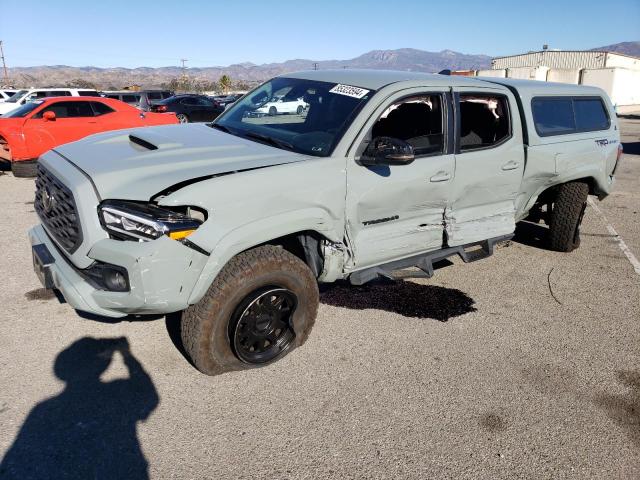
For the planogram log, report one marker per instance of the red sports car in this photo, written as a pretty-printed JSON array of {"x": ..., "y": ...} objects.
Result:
[{"x": 40, "y": 125}]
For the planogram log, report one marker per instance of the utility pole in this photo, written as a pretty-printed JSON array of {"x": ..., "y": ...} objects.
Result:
[
  {"x": 4, "y": 66},
  {"x": 315, "y": 66},
  {"x": 184, "y": 68}
]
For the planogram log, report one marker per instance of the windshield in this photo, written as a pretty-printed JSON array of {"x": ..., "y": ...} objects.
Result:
[
  {"x": 16, "y": 96},
  {"x": 304, "y": 116},
  {"x": 24, "y": 110}
]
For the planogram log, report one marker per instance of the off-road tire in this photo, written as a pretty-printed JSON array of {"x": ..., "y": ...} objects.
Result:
[
  {"x": 205, "y": 326},
  {"x": 566, "y": 216},
  {"x": 24, "y": 169}
]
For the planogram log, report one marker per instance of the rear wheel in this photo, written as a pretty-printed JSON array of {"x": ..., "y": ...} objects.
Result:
[
  {"x": 24, "y": 169},
  {"x": 566, "y": 216},
  {"x": 261, "y": 306},
  {"x": 300, "y": 109},
  {"x": 273, "y": 111},
  {"x": 182, "y": 118}
]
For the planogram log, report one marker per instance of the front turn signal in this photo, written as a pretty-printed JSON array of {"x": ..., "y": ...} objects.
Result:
[{"x": 180, "y": 235}]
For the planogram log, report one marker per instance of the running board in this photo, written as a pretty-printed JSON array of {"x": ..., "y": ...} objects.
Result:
[{"x": 470, "y": 252}]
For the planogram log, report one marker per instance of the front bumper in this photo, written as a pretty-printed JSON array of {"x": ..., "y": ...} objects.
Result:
[{"x": 162, "y": 275}]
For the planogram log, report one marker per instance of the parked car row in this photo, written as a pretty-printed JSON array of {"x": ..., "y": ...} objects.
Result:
[
  {"x": 190, "y": 108},
  {"x": 142, "y": 99}
]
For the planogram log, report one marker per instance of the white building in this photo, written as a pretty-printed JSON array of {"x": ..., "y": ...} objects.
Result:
[{"x": 615, "y": 73}]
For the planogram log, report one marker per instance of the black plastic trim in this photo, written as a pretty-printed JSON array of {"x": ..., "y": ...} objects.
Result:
[
  {"x": 425, "y": 261},
  {"x": 190, "y": 244}
]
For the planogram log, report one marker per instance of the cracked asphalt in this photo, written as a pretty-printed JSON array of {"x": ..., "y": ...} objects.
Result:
[{"x": 523, "y": 365}]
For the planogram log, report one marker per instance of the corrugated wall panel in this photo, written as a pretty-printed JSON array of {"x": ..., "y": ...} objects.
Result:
[{"x": 552, "y": 59}]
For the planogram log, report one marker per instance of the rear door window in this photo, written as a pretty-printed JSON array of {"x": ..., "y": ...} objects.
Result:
[
  {"x": 484, "y": 121},
  {"x": 101, "y": 109}
]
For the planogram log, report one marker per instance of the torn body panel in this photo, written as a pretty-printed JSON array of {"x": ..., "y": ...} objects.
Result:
[
  {"x": 397, "y": 212},
  {"x": 243, "y": 210}
]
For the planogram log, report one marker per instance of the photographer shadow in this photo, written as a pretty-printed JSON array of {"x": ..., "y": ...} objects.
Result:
[{"x": 89, "y": 429}]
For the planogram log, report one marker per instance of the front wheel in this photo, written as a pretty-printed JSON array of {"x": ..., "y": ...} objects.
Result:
[
  {"x": 182, "y": 118},
  {"x": 261, "y": 306},
  {"x": 300, "y": 109},
  {"x": 568, "y": 210},
  {"x": 273, "y": 111}
]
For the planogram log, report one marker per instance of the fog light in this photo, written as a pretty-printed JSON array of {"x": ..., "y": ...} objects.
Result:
[{"x": 115, "y": 280}]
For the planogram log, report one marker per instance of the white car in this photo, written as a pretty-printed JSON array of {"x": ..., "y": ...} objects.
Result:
[
  {"x": 23, "y": 96},
  {"x": 5, "y": 94},
  {"x": 276, "y": 106}
]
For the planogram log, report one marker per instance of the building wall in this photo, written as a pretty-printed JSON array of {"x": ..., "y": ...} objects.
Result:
[
  {"x": 622, "y": 61},
  {"x": 622, "y": 85},
  {"x": 564, "y": 75},
  {"x": 492, "y": 73},
  {"x": 528, "y": 73}
]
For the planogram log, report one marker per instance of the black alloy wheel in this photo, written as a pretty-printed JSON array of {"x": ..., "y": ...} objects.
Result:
[{"x": 261, "y": 328}]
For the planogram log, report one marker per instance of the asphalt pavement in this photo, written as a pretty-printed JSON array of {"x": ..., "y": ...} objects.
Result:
[{"x": 523, "y": 365}]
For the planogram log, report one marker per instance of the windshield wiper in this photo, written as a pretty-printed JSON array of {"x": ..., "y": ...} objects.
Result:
[{"x": 276, "y": 142}]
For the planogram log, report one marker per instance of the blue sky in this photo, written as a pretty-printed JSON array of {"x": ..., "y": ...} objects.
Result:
[{"x": 158, "y": 33}]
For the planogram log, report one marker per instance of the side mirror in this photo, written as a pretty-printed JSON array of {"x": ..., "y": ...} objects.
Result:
[
  {"x": 388, "y": 151},
  {"x": 49, "y": 116}
]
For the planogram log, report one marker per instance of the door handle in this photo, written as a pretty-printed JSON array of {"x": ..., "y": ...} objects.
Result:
[
  {"x": 510, "y": 165},
  {"x": 441, "y": 176}
]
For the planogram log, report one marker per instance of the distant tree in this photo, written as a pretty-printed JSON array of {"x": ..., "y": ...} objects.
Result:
[
  {"x": 80, "y": 83},
  {"x": 225, "y": 83}
]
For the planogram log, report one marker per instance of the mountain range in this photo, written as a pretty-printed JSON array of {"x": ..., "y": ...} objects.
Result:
[{"x": 249, "y": 73}]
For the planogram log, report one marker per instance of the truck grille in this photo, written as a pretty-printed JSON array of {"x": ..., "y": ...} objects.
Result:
[{"x": 56, "y": 208}]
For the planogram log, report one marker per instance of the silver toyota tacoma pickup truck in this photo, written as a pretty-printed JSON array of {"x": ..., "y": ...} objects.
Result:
[{"x": 353, "y": 175}]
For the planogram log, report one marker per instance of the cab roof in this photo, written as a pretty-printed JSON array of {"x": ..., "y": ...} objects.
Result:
[
  {"x": 377, "y": 79},
  {"x": 530, "y": 88}
]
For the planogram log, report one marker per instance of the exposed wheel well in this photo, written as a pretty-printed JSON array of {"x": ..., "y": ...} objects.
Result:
[
  {"x": 306, "y": 245},
  {"x": 552, "y": 191}
]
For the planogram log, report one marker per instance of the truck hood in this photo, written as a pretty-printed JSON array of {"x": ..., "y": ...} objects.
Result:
[{"x": 136, "y": 164}]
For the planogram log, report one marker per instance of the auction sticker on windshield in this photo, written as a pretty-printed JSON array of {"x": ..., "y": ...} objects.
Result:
[{"x": 349, "y": 91}]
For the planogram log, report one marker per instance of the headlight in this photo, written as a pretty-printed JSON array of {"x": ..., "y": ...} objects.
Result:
[{"x": 145, "y": 221}]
